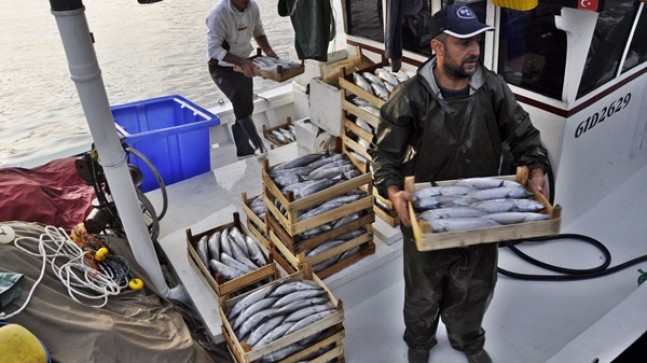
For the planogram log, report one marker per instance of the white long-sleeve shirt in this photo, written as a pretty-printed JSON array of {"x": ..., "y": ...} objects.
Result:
[{"x": 226, "y": 23}]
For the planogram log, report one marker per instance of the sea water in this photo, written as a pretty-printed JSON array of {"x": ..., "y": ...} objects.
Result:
[{"x": 143, "y": 50}]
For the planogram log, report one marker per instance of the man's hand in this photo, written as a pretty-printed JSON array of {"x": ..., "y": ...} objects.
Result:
[
  {"x": 247, "y": 66},
  {"x": 539, "y": 181},
  {"x": 399, "y": 198}
]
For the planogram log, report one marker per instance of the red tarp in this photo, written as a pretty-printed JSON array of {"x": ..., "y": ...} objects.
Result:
[{"x": 51, "y": 194}]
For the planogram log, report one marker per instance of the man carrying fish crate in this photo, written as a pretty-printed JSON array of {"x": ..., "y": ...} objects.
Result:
[
  {"x": 449, "y": 122},
  {"x": 231, "y": 24}
]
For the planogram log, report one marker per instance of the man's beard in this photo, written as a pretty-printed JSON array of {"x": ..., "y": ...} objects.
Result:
[{"x": 460, "y": 71}]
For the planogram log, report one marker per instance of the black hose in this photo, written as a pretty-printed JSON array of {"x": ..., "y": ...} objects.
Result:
[
  {"x": 160, "y": 181},
  {"x": 568, "y": 274}
]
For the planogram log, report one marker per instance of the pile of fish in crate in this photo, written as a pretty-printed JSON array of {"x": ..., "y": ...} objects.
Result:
[
  {"x": 319, "y": 212},
  {"x": 470, "y": 211},
  {"x": 266, "y": 317},
  {"x": 363, "y": 93},
  {"x": 281, "y": 134}
]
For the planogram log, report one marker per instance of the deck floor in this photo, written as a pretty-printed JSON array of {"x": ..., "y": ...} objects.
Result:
[{"x": 528, "y": 321}]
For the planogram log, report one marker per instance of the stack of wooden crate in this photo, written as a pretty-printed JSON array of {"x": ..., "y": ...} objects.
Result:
[
  {"x": 285, "y": 230},
  {"x": 355, "y": 137}
]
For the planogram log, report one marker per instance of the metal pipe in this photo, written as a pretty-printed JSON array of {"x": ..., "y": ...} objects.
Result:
[{"x": 85, "y": 72}]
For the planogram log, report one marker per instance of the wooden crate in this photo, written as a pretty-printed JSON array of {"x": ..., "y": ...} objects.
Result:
[
  {"x": 427, "y": 240},
  {"x": 383, "y": 208},
  {"x": 294, "y": 261},
  {"x": 357, "y": 61},
  {"x": 219, "y": 285},
  {"x": 255, "y": 225},
  {"x": 275, "y": 142},
  {"x": 279, "y": 75},
  {"x": 291, "y": 224},
  {"x": 242, "y": 352}
]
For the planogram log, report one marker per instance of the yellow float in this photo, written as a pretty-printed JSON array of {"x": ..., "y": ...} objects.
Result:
[{"x": 19, "y": 345}]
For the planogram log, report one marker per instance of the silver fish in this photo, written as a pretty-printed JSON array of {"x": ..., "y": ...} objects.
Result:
[
  {"x": 329, "y": 205},
  {"x": 225, "y": 242},
  {"x": 233, "y": 263},
  {"x": 253, "y": 321},
  {"x": 299, "y": 170},
  {"x": 255, "y": 252},
  {"x": 461, "y": 224},
  {"x": 481, "y": 183},
  {"x": 305, "y": 322},
  {"x": 228, "y": 273},
  {"x": 263, "y": 329},
  {"x": 517, "y": 217},
  {"x": 362, "y": 82},
  {"x": 298, "y": 295},
  {"x": 358, "y": 101},
  {"x": 239, "y": 238},
  {"x": 281, "y": 353},
  {"x": 249, "y": 299},
  {"x": 300, "y": 304},
  {"x": 292, "y": 286},
  {"x": 325, "y": 247},
  {"x": 273, "y": 335},
  {"x": 500, "y": 192},
  {"x": 371, "y": 109},
  {"x": 316, "y": 187},
  {"x": 253, "y": 309},
  {"x": 346, "y": 219},
  {"x": 373, "y": 79},
  {"x": 380, "y": 91},
  {"x": 426, "y": 203},
  {"x": 213, "y": 245},
  {"x": 330, "y": 172},
  {"x": 307, "y": 311},
  {"x": 450, "y": 212},
  {"x": 387, "y": 76},
  {"x": 279, "y": 136},
  {"x": 202, "y": 250},
  {"x": 285, "y": 180}
]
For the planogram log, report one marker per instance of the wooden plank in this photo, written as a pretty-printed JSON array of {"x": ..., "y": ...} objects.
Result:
[
  {"x": 370, "y": 118},
  {"x": 427, "y": 240},
  {"x": 358, "y": 130},
  {"x": 360, "y": 92}
]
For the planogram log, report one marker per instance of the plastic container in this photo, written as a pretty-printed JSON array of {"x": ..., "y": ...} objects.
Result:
[{"x": 172, "y": 132}]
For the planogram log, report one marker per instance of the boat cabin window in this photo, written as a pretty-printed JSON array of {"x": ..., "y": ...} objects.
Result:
[
  {"x": 532, "y": 51},
  {"x": 610, "y": 38},
  {"x": 638, "y": 49},
  {"x": 364, "y": 19}
]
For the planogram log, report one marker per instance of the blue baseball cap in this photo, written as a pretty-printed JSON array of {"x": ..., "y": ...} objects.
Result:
[{"x": 457, "y": 20}]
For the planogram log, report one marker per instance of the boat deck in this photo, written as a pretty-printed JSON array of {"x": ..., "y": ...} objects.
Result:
[{"x": 528, "y": 321}]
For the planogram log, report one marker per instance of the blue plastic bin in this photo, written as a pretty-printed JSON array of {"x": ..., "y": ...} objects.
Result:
[{"x": 172, "y": 132}]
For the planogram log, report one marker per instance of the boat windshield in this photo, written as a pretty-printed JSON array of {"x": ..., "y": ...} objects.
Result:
[{"x": 613, "y": 32}]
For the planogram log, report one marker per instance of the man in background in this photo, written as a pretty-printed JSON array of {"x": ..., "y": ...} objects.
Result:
[{"x": 231, "y": 25}]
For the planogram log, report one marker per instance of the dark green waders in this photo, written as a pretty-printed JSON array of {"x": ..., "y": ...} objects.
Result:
[{"x": 455, "y": 285}]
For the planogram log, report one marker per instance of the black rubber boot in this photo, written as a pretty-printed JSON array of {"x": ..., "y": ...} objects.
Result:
[
  {"x": 479, "y": 357},
  {"x": 244, "y": 145},
  {"x": 418, "y": 355},
  {"x": 250, "y": 128}
]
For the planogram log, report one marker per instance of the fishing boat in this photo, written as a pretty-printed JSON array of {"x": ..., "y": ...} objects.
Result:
[{"x": 578, "y": 67}]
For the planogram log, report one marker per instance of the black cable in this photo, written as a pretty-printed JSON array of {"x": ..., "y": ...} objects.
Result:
[
  {"x": 567, "y": 273},
  {"x": 158, "y": 177}
]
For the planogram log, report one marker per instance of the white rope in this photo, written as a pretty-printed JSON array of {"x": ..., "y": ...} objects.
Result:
[{"x": 81, "y": 280}]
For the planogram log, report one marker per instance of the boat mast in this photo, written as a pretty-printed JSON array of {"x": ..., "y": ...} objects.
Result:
[{"x": 85, "y": 72}]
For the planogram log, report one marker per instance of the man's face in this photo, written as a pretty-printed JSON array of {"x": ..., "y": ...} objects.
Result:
[
  {"x": 240, "y": 4},
  {"x": 461, "y": 56}
]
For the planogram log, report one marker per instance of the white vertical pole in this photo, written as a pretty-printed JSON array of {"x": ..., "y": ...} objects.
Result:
[{"x": 85, "y": 72}]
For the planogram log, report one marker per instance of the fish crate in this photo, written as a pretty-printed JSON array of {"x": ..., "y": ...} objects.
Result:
[
  {"x": 427, "y": 240},
  {"x": 278, "y": 75},
  {"x": 383, "y": 208},
  {"x": 241, "y": 283},
  {"x": 331, "y": 327},
  {"x": 272, "y": 194},
  {"x": 292, "y": 261},
  {"x": 256, "y": 226},
  {"x": 275, "y": 141}
]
